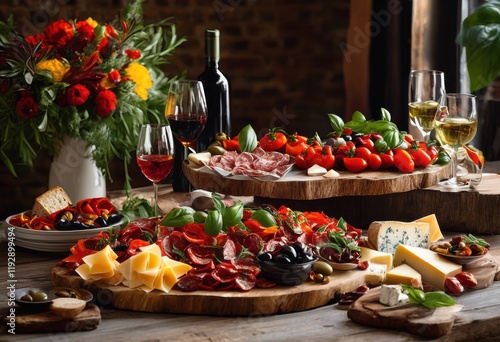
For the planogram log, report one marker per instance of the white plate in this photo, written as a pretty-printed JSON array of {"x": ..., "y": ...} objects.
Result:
[
  {"x": 342, "y": 266},
  {"x": 51, "y": 240}
]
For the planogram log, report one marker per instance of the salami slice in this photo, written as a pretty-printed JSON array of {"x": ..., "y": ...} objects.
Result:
[
  {"x": 189, "y": 282},
  {"x": 253, "y": 243},
  {"x": 225, "y": 273},
  {"x": 199, "y": 255},
  {"x": 263, "y": 283},
  {"x": 244, "y": 159},
  {"x": 245, "y": 282}
]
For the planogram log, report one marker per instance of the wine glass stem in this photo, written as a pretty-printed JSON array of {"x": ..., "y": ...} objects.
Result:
[
  {"x": 454, "y": 160},
  {"x": 427, "y": 136},
  {"x": 155, "y": 203}
]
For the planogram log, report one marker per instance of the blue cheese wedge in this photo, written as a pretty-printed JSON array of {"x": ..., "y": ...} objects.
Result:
[
  {"x": 385, "y": 236},
  {"x": 375, "y": 274},
  {"x": 392, "y": 295}
]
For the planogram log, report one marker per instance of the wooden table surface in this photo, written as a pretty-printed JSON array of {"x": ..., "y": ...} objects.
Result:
[{"x": 326, "y": 323}]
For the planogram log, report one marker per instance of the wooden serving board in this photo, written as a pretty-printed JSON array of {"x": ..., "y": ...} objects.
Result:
[
  {"x": 296, "y": 185},
  {"x": 412, "y": 318},
  {"x": 48, "y": 322},
  {"x": 279, "y": 299}
]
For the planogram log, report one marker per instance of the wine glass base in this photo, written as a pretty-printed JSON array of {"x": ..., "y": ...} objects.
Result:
[{"x": 453, "y": 185}]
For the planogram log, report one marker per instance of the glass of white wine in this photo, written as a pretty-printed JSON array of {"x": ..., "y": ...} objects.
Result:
[
  {"x": 426, "y": 88},
  {"x": 456, "y": 125}
]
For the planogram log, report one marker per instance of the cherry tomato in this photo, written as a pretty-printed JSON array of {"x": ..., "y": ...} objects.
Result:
[
  {"x": 305, "y": 159},
  {"x": 231, "y": 145},
  {"x": 363, "y": 152},
  {"x": 274, "y": 140},
  {"x": 403, "y": 161},
  {"x": 387, "y": 159},
  {"x": 374, "y": 161},
  {"x": 365, "y": 141},
  {"x": 355, "y": 164},
  {"x": 296, "y": 144},
  {"x": 324, "y": 158},
  {"x": 433, "y": 152},
  {"x": 420, "y": 157},
  {"x": 343, "y": 151},
  {"x": 409, "y": 139}
]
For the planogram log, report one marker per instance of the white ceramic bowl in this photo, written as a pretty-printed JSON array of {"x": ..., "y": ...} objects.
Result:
[{"x": 50, "y": 240}]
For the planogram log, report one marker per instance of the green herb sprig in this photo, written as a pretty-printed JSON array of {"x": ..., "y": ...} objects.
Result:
[{"x": 431, "y": 300}]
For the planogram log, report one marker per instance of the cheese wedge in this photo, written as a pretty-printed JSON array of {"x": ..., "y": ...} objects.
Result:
[
  {"x": 433, "y": 268},
  {"x": 376, "y": 257},
  {"x": 385, "y": 236},
  {"x": 404, "y": 274},
  {"x": 199, "y": 159},
  {"x": 434, "y": 230},
  {"x": 392, "y": 295},
  {"x": 316, "y": 170},
  {"x": 375, "y": 274},
  {"x": 331, "y": 174},
  {"x": 101, "y": 266}
]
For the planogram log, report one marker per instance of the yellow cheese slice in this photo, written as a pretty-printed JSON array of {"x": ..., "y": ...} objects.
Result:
[
  {"x": 433, "y": 268},
  {"x": 404, "y": 274},
  {"x": 179, "y": 268},
  {"x": 166, "y": 279},
  {"x": 434, "y": 230},
  {"x": 376, "y": 257},
  {"x": 100, "y": 265}
]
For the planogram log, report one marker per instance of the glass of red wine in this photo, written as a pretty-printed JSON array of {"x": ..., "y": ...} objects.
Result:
[
  {"x": 155, "y": 151},
  {"x": 186, "y": 111}
]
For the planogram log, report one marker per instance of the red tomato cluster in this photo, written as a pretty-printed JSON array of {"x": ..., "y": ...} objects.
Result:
[{"x": 361, "y": 153}]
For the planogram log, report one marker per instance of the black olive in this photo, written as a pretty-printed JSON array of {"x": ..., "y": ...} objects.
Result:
[
  {"x": 101, "y": 221},
  {"x": 114, "y": 219},
  {"x": 346, "y": 137},
  {"x": 265, "y": 257},
  {"x": 329, "y": 142},
  {"x": 62, "y": 225},
  {"x": 289, "y": 252},
  {"x": 283, "y": 259},
  {"x": 121, "y": 247},
  {"x": 355, "y": 135}
]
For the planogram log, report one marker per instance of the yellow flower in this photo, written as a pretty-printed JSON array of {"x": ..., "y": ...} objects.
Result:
[
  {"x": 139, "y": 74},
  {"x": 106, "y": 83},
  {"x": 92, "y": 22},
  {"x": 55, "y": 66}
]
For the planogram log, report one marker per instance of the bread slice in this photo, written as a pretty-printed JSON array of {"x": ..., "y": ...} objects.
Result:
[
  {"x": 67, "y": 307},
  {"x": 50, "y": 201}
]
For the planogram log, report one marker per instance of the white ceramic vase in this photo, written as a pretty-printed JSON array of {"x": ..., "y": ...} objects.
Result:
[{"x": 76, "y": 172}]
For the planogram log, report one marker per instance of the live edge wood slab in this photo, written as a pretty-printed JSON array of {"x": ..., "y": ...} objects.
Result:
[{"x": 373, "y": 196}]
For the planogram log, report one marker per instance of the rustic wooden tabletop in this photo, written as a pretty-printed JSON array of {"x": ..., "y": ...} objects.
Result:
[{"x": 478, "y": 320}]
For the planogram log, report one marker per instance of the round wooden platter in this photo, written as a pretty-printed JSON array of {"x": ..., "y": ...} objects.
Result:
[
  {"x": 296, "y": 185},
  {"x": 279, "y": 299}
]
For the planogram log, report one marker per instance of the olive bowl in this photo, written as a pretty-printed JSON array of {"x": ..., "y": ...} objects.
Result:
[{"x": 284, "y": 273}]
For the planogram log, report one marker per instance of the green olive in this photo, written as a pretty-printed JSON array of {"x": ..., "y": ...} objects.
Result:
[
  {"x": 322, "y": 267},
  {"x": 214, "y": 149},
  {"x": 199, "y": 216},
  {"x": 40, "y": 297},
  {"x": 318, "y": 278},
  {"x": 221, "y": 136},
  {"x": 27, "y": 298}
]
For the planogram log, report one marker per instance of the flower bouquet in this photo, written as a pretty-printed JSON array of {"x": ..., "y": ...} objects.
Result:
[{"x": 83, "y": 79}]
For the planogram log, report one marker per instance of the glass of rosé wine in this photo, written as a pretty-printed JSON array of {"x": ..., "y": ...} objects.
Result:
[{"x": 155, "y": 154}]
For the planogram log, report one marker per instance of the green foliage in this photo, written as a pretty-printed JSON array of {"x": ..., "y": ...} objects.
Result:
[{"x": 480, "y": 35}]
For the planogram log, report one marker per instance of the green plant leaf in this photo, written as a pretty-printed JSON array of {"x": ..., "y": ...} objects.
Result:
[
  {"x": 247, "y": 139},
  {"x": 337, "y": 123},
  {"x": 480, "y": 35}
]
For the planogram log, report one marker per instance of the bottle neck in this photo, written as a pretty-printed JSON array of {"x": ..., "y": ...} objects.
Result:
[{"x": 212, "y": 49}]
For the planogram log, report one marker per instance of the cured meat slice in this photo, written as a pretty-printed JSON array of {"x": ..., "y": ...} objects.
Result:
[
  {"x": 244, "y": 159},
  {"x": 189, "y": 282},
  {"x": 245, "y": 281},
  {"x": 270, "y": 161}
]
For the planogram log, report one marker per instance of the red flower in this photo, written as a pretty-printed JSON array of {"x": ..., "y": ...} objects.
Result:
[
  {"x": 106, "y": 102},
  {"x": 133, "y": 54},
  {"x": 114, "y": 75},
  {"x": 59, "y": 33},
  {"x": 27, "y": 107},
  {"x": 77, "y": 95},
  {"x": 84, "y": 35}
]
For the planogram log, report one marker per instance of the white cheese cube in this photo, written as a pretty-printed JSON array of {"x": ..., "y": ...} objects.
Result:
[{"x": 392, "y": 295}]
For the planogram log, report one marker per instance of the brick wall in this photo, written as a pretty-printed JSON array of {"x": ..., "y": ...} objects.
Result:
[{"x": 281, "y": 56}]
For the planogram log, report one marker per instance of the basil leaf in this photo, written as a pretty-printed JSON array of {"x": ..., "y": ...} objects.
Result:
[
  {"x": 437, "y": 299},
  {"x": 218, "y": 203},
  {"x": 232, "y": 215},
  {"x": 386, "y": 116},
  {"x": 381, "y": 126},
  {"x": 213, "y": 222},
  {"x": 264, "y": 217},
  {"x": 393, "y": 138},
  {"x": 358, "y": 116},
  {"x": 247, "y": 139},
  {"x": 361, "y": 127},
  {"x": 337, "y": 123},
  {"x": 178, "y": 217}
]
